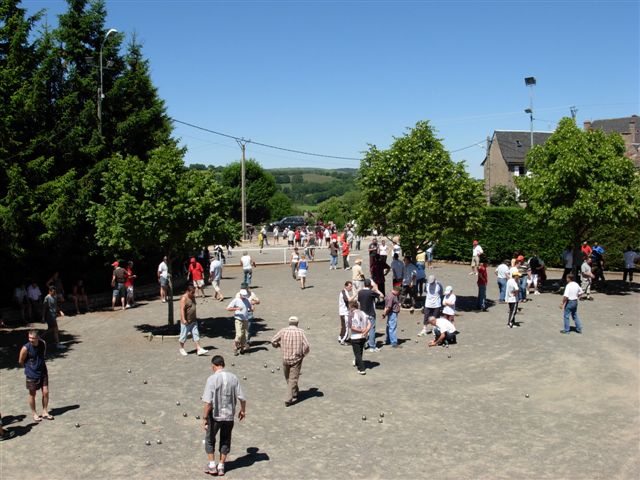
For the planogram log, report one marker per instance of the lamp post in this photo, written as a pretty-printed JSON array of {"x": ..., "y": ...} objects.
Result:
[
  {"x": 530, "y": 82},
  {"x": 100, "y": 92}
]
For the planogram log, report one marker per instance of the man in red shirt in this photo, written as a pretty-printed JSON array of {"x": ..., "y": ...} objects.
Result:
[
  {"x": 586, "y": 249},
  {"x": 129, "y": 285},
  {"x": 196, "y": 275}
]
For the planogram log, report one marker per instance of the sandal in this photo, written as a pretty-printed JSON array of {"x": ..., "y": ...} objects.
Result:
[
  {"x": 37, "y": 418},
  {"x": 48, "y": 416}
]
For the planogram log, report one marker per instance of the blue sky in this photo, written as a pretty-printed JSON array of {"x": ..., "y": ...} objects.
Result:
[{"x": 334, "y": 76}]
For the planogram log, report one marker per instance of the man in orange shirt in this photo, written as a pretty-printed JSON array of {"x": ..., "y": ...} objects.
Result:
[{"x": 196, "y": 274}]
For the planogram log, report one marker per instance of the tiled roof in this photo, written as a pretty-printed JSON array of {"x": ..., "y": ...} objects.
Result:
[
  {"x": 619, "y": 125},
  {"x": 515, "y": 145}
]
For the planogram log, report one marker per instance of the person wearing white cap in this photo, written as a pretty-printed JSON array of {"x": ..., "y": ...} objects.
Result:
[
  {"x": 295, "y": 347},
  {"x": 240, "y": 306},
  {"x": 449, "y": 304},
  {"x": 432, "y": 303}
]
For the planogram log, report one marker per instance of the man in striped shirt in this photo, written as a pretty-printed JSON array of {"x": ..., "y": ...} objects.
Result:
[{"x": 295, "y": 347}]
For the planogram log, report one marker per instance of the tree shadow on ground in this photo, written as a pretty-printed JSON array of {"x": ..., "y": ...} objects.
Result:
[
  {"x": 253, "y": 455},
  {"x": 218, "y": 327},
  {"x": 11, "y": 341}
]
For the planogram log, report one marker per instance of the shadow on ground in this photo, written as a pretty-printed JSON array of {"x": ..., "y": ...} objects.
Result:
[
  {"x": 218, "y": 327},
  {"x": 252, "y": 456},
  {"x": 11, "y": 341}
]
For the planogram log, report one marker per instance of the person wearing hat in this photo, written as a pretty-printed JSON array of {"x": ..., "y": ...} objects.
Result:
[
  {"x": 475, "y": 257},
  {"x": 295, "y": 347},
  {"x": 240, "y": 306},
  {"x": 391, "y": 312},
  {"x": 449, "y": 304},
  {"x": 357, "y": 275},
  {"x": 432, "y": 303},
  {"x": 253, "y": 298},
  {"x": 512, "y": 296},
  {"x": 196, "y": 275},
  {"x": 118, "y": 280},
  {"x": 522, "y": 281}
]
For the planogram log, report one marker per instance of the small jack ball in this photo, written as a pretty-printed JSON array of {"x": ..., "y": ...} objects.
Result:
[
  {"x": 308, "y": 328},
  {"x": 416, "y": 341},
  {"x": 147, "y": 442},
  {"x": 448, "y": 356},
  {"x": 233, "y": 364},
  {"x": 77, "y": 425},
  {"x": 184, "y": 414}
]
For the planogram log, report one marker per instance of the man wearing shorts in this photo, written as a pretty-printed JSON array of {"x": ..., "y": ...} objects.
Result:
[
  {"x": 118, "y": 280},
  {"x": 32, "y": 356},
  {"x": 196, "y": 274},
  {"x": 221, "y": 393},
  {"x": 189, "y": 321},
  {"x": 163, "y": 279},
  {"x": 475, "y": 258}
]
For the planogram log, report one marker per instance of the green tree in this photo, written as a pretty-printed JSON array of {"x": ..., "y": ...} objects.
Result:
[
  {"x": 161, "y": 203},
  {"x": 260, "y": 187},
  {"x": 415, "y": 190},
  {"x": 280, "y": 206},
  {"x": 503, "y": 196},
  {"x": 581, "y": 180}
]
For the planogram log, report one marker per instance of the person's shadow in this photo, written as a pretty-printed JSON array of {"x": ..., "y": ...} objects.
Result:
[
  {"x": 56, "y": 412},
  {"x": 253, "y": 455},
  {"x": 310, "y": 393}
]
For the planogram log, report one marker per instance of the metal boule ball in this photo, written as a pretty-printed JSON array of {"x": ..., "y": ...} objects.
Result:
[
  {"x": 277, "y": 368},
  {"x": 197, "y": 417},
  {"x": 143, "y": 421},
  {"x": 449, "y": 356},
  {"x": 129, "y": 371},
  {"x": 526, "y": 395},
  {"x": 364, "y": 417},
  {"x": 265, "y": 365},
  {"x": 380, "y": 420},
  {"x": 159, "y": 442},
  {"x": 244, "y": 378},
  {"x": 77, "y": 425},
  {"x": 416, "y": 341},
  {"x": 147, "y": 443},
  {"x": 381, "y": 414},
  {"x": 145, "y": 382},
  {"x": 273, "y": 371},
  {"x": 233, "y": 364},
  {"x": 178, "y": 403},
  {"x": 308, "y": 328},
  {"x": 184, "y": 414}
]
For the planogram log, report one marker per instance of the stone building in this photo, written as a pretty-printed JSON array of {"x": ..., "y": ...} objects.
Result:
[{"x": 628, "y": 127}]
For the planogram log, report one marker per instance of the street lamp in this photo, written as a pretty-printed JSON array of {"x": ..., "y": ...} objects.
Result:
[
  {"x": 530, "y": 82},
  {"x": 100, "y": 89}
]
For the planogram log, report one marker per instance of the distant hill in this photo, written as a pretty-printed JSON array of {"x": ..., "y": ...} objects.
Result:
[{"x": 310, "y": 186}]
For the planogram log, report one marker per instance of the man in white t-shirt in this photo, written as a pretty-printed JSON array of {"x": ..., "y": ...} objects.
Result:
[
  {"x": 432, "y": 303},
  {"x": 247, "y": 266},
  {"x": 587, "y": 277},
  {"x": 163, "y": 279},
  {"x": 443, "y": 330},
  {"x": 569, "y": 304},
  {"x": 215, "y": 275},
  {"x": 475, "y": 258}
]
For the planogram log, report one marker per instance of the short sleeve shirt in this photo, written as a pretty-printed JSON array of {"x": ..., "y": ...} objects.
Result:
[
  {"x": 572, "y": 291},
  {"x": 215, "y": 269},
  {"x": 222, "y": 391},
  {"x": 391, "y": 302},
  {"x": 367, "y": 300}
]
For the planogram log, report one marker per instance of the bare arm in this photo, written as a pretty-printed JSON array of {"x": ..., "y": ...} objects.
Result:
[
  {"x": 22, "y": 357},
  {"x": 183, "y": 310},
  {"x": 243, "y": 410}
]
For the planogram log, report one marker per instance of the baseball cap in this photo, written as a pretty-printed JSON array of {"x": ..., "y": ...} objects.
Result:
[
  {"x": 244, "y": 293},
  {"x": 448, "y": 290},
  {"x": 115, "y": 264},
  {"x": 293, "y": 320},
  {"x": 520, "y": 258}
]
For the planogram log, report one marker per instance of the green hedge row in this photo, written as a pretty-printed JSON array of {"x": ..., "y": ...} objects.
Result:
[{"x": 505, "y": 230}]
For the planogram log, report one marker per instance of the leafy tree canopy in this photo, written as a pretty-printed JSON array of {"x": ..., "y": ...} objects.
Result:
[
  {"x": 503, "y": 196},
  {"x": 415, "y": 190},
  {"x": 260, "y": 187}
]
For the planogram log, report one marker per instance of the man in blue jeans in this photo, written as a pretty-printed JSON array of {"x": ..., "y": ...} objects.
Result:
[
  {"x": 570, "y": 304},
  {"x": 367, "y": 298},
  {"x": 391, "y": 311}
]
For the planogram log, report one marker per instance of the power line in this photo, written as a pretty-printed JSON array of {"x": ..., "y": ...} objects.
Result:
[{"x": 238, "y": 139}]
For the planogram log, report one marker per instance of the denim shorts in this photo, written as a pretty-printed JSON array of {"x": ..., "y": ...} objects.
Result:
[{"x": 190, "y": 327}]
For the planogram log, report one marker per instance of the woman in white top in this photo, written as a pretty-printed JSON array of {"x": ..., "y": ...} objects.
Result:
[
  {"x": 449, "y": 304},
  {"x": 359, "y": 326},
  {"x": 276, "y": 231},
  {"x": 295, "y": 256}
]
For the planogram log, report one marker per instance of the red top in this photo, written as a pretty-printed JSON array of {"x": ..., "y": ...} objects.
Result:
[
  {"x": 345, "y": 249},
  {"x": 196, "y": 272},
  {"x": 482, "y": 275},
  {"x": 586, "y": 250},
  {"x": 129, "y": 281}
]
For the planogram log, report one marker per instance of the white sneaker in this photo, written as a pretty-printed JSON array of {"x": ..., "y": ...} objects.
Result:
[
  {"x": 183, "y": 352},
  {"x": 202, "y": 351},
  {"x": 353, "y": 362},
  {"x": 536, "y": 293},
  {"x": 423, "y": 333}
]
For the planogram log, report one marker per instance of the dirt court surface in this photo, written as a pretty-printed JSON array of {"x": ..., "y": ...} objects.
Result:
[{"x": 521, "y": 403}]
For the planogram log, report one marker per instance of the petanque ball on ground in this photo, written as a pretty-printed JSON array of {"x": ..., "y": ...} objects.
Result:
[
  {"x": 147, "y": 443},
  {"x": 381, "y": 414},
  {"x": 77, "y": 425},
  {"x": 526, "y": 395},
  {"x": 143, "y": 421},
  {"x": 448, "y": 356},
  {"x": 308, "y": 328},
  {"x": 129, "y": 371},
  {"x": 273, "y": 371},
  {"x": 265, "y": 365},
  {"x": 380, "y": 420},
  {"x": 178, "y": 403},
  {"x": 364, "y": 417},
  {"x": 233, "y": 364},
  {"x": 244, "y": 378},
  {"x": 277, "y": 368},
  {"x": 184, "y": 414},
  {"x": 197, "y": 417},
  {"x": 159, "y": 442},
  {"x": 416, "y": 341},
  {"x": 145, "y": 382}
]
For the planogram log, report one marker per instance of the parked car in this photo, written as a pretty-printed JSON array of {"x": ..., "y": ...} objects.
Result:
[{"x": 291, "y": 222}]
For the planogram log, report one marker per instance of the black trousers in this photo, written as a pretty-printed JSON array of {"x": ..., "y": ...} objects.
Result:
[
  {"x": 213, "y": 428},
  {"x": 358, "y": 348}
]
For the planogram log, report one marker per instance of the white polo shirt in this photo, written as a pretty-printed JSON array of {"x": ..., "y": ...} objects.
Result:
[
  {"x": 572, "y": 291},
  {"x": 445, "y": 326}
]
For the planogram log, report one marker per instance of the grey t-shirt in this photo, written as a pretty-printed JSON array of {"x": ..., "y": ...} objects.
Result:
[
  {"x": 223, "y": 391},
  {"x": 50, "y": 308}
]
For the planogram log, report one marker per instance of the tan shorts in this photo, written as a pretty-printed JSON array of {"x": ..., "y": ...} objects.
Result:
[
  {"x": 475, "y": 261},
  {"x": 216, "y": 285},
  {"x": 198, "y": 283}
]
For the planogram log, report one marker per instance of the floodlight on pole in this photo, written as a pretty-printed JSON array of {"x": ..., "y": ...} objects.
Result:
[
  {"x": 100, "y": 88},
  {"x": 530, "y": 82}
]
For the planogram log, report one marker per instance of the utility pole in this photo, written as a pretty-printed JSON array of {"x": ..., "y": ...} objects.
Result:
[
  {"x": 243, "y": 207},
  {"x": 574, "y": 110},
  {"x": 530, "y": 82}
]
